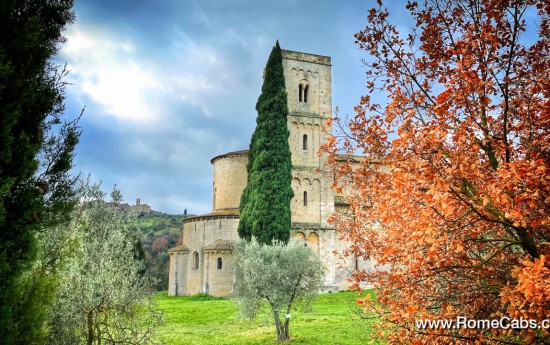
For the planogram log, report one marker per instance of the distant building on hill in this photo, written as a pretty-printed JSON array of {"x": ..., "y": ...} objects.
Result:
[{"x": 140, "y": 208}]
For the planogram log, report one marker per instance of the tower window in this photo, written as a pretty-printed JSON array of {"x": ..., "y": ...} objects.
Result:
[
  {"x": 304, "y": 142},
  {"x": 303, "y": 89},
  {"x": 196, "y": 260},
  {"x": 220, "y": 263},
  {"x": 214, "y": 198},
  {"x": 305, "y": 198}
]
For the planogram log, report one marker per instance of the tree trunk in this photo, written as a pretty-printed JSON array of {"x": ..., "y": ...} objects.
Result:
[
  {"x": 282, "y": 328},
  {"x": 282, "y": 331},
  {"x": 90, "y": 324}
]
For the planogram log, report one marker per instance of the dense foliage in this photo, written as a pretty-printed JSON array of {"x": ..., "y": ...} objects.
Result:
[
  {"x": 159, "y": 234},
  {"x": 452, "y": 198},
  {"x": 265, "y": 202},
  {"x": 279, "y": 274},
  {"x": 36, "y": 151},
  {"x": 104, "y": 297}
]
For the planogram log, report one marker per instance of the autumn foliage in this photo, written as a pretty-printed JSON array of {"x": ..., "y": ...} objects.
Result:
[{"x": 452, "y": 199}]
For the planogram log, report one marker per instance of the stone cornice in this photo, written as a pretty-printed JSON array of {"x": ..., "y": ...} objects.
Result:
[
  {"x": 310, "y": 115},
  {"x": 306, "y": 57},
  {"x": 310, "y": 226}
]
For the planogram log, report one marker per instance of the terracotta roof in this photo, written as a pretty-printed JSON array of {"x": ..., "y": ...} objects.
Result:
[
  {"x": 219, "y": 213},
  {"x": 180, "y": 248},
  {"x": 231, "y": 154},
  {"x": 224, "y": 212},
  {"x": 219, "y": 245}
]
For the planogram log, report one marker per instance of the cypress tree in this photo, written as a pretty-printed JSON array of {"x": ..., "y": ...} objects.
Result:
[{"x": 265, "y": 202}]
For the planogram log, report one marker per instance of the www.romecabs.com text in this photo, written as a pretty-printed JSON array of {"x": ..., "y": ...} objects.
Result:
[{"x": 465, "y": 323}]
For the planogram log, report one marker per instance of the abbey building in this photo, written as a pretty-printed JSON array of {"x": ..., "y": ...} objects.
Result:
[{"x": 203, "y": 262}]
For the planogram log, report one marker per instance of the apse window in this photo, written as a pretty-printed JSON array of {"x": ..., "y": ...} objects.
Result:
[
  {"x": 305, "y": 198},
  {"x": 220, "y": 263},
  {"x": 196, "y": 260},
  {"x": 304, "y": 142}
]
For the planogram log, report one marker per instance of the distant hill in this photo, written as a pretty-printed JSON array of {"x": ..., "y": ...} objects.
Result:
[
  {"x": 160, "y": 222},
  {"x": 160, "y": 232}
]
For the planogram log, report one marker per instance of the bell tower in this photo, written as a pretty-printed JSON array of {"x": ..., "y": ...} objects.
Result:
[
  {"x": 309, "y": 98},
  {"x": 309, "y": 91}
]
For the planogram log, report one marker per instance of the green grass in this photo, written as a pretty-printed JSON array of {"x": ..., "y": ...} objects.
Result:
[{"x": 203, "y": 320}]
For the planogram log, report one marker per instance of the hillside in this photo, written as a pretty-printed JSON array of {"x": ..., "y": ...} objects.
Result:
[{"x": 160, "y": 232}]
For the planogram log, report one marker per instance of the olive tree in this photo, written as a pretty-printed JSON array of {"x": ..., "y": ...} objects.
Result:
[
  {"x": 103, "y": 298},
  {"x": 280, "y": 275}
]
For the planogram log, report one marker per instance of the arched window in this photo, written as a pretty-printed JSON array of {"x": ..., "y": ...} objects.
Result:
[
  {"x": 303, "y": 89},
  {"x": 196, "y": 260},
  {"x": 214, "y": 198},
  {"x": 304, "y": 142},
  {"x": 300, "y": 236},
  {"x": 305, "y": 198},
  {"x": 220, "y": 263},
  {"x": 313, "y": 241}
]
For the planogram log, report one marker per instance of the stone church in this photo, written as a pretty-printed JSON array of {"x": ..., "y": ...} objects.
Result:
[{"x": 203, "y": 263}]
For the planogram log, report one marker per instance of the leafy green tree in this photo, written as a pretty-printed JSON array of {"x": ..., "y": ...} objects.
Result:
[
  {"x": 265, "y": 202},
  {"x": 116, "y": 195},
  {"x": 104, "y": 298},
  {"x": 279, "y": 274},
  {"x": 36, "y": 152}
]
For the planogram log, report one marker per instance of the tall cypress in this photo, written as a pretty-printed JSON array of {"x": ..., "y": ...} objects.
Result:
[
  {"x": 36, "y": 152},
  {"x": 265, "y": 202}
]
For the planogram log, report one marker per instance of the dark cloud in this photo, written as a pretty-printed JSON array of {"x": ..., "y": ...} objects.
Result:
[{"x": 168, "y": 85}]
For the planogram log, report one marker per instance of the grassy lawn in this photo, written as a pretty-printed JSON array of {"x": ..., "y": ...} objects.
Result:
[{"x": 190, "y": 320}]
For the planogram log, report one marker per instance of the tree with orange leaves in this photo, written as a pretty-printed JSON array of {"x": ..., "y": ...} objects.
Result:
[{"x": 452, "y": 199}]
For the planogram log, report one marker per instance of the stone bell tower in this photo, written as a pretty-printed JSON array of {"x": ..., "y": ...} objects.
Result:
[{"x": 309, "y": 91}]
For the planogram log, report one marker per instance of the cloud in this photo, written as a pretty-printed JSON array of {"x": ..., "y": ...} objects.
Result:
[
  {"x": 110, "y": 73},
  {"x": 167, "y": 86},
  {"x": 201, "y": 73},
  {"x": 133, "y": 82}
]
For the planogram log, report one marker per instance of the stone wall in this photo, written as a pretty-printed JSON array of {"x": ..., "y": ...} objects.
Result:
[
  {"x": 229, "y": 179},
  {"x": 179, "y": 257},
  {"x": 219, "y": 269},
  {"x": 198, "y": 233},
  {"x": 309, "y": 71}
]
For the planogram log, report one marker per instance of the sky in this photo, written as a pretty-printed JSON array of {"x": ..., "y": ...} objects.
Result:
[{"x": 167, "y": 85}]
